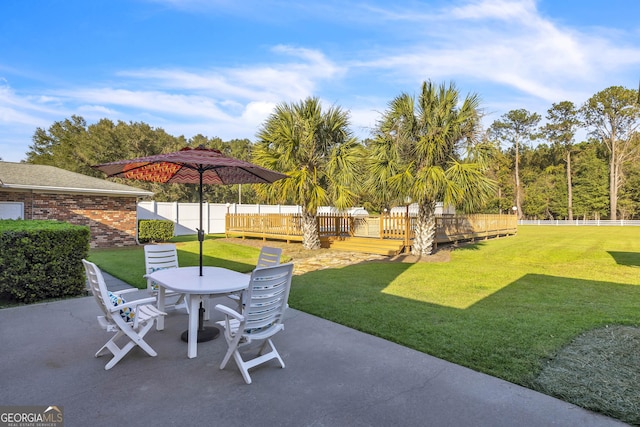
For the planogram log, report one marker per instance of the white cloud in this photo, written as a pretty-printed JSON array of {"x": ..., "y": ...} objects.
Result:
[
  {"x": 510, "y": 44},
  {"x": 16, "y": 109},
  {"x": 96, "y": 111},
  {"x": 275, "y": 81},
  {"x": 256, "y": 113},
  {"x": 237, "y": 99},
  {"x": 174, "y": 104},
  {"x": 521, "y": 10}
]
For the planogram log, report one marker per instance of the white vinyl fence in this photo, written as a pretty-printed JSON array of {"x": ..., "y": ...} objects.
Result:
[
  {"x": 592, "y": 222},
  {"x": 186, "y": 216}
]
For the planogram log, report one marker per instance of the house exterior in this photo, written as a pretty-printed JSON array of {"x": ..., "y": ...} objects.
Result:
[{"x": 29, "y": 191}]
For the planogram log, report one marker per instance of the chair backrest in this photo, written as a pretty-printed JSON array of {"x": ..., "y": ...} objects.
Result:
[
  {"x": 269, "y": 256},
  {"x": 158, "y": 257},
  {"x": 266, "y": 298},
  {"x": 98, "y": 287}
]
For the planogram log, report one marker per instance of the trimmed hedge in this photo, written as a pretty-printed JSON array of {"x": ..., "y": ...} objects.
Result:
[
  {"x": 155, "y": 230},
  {"x": 41, "y": 260}
]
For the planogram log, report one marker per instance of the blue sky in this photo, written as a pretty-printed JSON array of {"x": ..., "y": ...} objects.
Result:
[{"x": 218, "y": 67}]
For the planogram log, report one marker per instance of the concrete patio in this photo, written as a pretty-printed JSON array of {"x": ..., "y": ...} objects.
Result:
[{"x": 335, "y": 376}]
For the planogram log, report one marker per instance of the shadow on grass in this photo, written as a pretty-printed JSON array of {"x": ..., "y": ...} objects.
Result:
[
  {"x": 462, "y": 246},
  {"x": 508, "y": 333},
  {"x": 631, "y": 259},
  {"x": 194, "y": 237}
]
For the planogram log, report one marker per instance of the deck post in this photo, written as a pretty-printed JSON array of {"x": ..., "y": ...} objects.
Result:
[{"x": 407, "y": 227}]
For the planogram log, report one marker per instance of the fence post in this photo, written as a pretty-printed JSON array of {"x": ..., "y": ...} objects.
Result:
[
  {"x": 175, "y": 212},
  {"x": 207, "y": 207}
]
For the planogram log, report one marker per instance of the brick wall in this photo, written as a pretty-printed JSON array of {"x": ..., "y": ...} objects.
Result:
[{"x": 112, "y": 220}]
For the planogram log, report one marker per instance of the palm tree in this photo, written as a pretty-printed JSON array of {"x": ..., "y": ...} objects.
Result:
[
  {"x": 318, "y": 152},
  {"x": 427, "y": 149}
]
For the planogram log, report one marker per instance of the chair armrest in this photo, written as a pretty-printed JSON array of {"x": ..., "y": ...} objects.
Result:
[
  {"x": 132, "y": 304},
  {"x": 125, "y": 291},
  {"x": 229, "y": 312}
]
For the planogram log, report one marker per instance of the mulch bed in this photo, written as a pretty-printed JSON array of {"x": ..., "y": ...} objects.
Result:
[{"x": 599, "y": 370}]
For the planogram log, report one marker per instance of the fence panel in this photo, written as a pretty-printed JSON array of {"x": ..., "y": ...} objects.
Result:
[
  {"x": 579, "y": 222},
  {"x": 334, "y": 225},
  {"x": 187, "y": 215}
]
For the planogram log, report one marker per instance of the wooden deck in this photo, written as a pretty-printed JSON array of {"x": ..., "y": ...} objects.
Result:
[
  {"x": 367, "y": 245},
  {"x": 385, "y": 235}
]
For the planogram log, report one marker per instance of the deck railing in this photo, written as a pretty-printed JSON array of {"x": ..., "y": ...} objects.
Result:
[{"x": 449, "y": 228}]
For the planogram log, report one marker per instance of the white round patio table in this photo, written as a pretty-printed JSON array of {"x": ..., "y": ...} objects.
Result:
[{"x": 187, "y": 280}]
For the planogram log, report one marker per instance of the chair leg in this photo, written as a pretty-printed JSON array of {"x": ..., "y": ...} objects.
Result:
[
  {"x": 233, "y": 343},
  {"x": 182, "y": 302},
  {"x": 118, "y": 355},
  {"x": 134, "y": 338},
  {"x": 244, "y": 366},
  {"x": 273, "y": 353},
  {"x": 137, "y": 337},
  {"x": 109, "y": 345}
]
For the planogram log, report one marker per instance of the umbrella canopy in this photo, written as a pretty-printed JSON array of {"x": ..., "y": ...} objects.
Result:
[{"x": 198, "y": 165}]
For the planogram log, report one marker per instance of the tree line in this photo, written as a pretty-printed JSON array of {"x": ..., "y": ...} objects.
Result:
[{"x": 426, "y": 148}]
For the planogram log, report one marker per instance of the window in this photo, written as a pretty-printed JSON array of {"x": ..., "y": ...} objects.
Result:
[{"x": 11, "y": 210}]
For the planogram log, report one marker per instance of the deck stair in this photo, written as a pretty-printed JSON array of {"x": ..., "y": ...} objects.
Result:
[{"x": 367, "y": 245}]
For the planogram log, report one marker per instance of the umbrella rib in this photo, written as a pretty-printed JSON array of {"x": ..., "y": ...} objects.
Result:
[
  {"x": 216, "y": 167},
  {"x": 122, "y": 172}
]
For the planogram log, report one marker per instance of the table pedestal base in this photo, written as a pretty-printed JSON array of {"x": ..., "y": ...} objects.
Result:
[{"x": 205, "y": 333}]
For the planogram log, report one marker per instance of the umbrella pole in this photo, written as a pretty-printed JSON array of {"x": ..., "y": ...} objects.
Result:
[
  {"x": 205, "y": 333},
  {"x": 201, "y": 230}
]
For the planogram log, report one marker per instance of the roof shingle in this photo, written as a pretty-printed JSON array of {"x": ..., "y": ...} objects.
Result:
[{"x": 28, "y": 176}]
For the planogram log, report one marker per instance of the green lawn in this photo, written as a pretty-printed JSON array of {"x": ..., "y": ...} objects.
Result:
[
  {"x": 502, "y": 306},
  {"x": 499, "y": 306}
]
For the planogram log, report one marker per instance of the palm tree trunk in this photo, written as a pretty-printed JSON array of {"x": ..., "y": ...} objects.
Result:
[
  {"x": 425, "y": 229},
  {"x": 310, "y": 238}
]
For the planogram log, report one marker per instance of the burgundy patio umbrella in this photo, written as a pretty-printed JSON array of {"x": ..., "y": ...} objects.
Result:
[{"x": 198, "y": 165}]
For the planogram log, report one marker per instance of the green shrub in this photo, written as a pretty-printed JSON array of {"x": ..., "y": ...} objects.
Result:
[
  {"x": 41, "y": 260},
  {"x": 155, "y": 230}
]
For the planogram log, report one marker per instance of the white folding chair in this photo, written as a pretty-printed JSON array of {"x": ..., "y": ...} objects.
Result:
[
  {"x": 268, "y": 256},
  {"x": 159, "y": 257},
  {"x": 261, "y": 318},
  {"x": 131, "y": 320}
]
